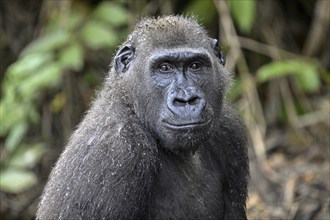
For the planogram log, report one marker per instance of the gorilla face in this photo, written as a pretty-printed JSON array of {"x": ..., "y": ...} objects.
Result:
[
  {"x": 176, "y": 93},
  {"x": 184, "y": 114}
]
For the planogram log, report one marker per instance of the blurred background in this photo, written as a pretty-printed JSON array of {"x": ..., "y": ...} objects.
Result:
[{"x": 54, "y": 55}]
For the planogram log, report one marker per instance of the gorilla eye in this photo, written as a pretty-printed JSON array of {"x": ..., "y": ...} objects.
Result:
[
  {"x": 165, "y": 68},
  {"x": 195, "y": 66}
]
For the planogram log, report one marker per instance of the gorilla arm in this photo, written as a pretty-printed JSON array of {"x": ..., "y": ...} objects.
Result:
[{"x": 107, "y": 168}]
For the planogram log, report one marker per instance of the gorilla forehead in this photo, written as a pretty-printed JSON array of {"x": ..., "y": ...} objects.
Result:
[{"x": 168, "y": 31}]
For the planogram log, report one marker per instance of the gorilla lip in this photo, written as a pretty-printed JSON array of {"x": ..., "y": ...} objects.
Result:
[{"x": 186, "y": 125}]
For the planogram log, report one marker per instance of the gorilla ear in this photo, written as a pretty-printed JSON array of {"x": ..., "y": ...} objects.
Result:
[
  {"x": 123, "y": 58},
  {"x": 218, "y": 53}
]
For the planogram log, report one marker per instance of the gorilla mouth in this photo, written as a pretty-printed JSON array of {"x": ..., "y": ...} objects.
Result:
[{"x": 186, "y": 125}]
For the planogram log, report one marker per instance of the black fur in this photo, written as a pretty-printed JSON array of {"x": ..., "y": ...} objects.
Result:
[{"x": 158, "y": 142}]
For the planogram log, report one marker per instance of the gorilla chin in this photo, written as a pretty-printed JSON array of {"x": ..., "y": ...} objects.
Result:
[{"x": 182, "y": 137}]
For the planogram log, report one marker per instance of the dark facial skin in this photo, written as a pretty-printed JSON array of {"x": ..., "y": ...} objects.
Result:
[
  {"x": 181, "y": 77},
  {"x": 159, "y": 141}
]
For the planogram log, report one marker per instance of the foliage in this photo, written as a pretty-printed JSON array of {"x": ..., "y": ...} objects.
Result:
[
  {"x": 243, "y": 13},
  {"x": 39, "y": 68},
  {"x": 304, "y": 71},
  {"x": 203, "y": 10}
]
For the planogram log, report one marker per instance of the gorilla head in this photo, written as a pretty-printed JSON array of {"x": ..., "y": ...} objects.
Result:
[{"x": 177, "y": 80}]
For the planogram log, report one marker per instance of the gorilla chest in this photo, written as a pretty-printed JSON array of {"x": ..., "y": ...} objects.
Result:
[{"x": 186, "y": 191}]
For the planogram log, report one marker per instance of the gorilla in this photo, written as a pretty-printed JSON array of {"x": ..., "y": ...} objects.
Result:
[{"x": 159, "y": 141}]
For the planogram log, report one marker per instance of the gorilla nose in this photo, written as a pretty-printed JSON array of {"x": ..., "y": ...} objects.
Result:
[{"x": 189, "y": 105}]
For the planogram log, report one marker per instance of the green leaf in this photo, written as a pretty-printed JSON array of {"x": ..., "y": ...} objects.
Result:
[
  {"x": 203, "y": 10},
  {"x": 243, "y": 12},
  {"x": 16, "y": 180},
  {"x": 111, "y": 13},
  {"x": 46, "y": 77},
  {"x": 14, "y": 115},
  {"x": 75, "y": 19},
  {"x": 309, "y": 78},
  {"x": 27, "y": 156},
  {"x": 33, "y": 114},
  {"x": 305, "y": 73},
  {"x": 16, "y": 135},
  {"x": 90, "y": 78},
  {"x": 97, "y": 35},
  {"x": 48, "y": 42},
  {"x": 72, "y": 56},
  {"x": 27, "y": 65}
]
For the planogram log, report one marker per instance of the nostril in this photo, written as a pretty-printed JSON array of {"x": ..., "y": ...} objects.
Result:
[
  {"x": 183, "y": 102},
  {"x": 179, "y": 102},
  {"x": 194, "y": 100}
]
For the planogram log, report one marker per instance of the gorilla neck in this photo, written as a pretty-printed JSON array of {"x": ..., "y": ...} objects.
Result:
[{"x": 183, "y": 148}]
